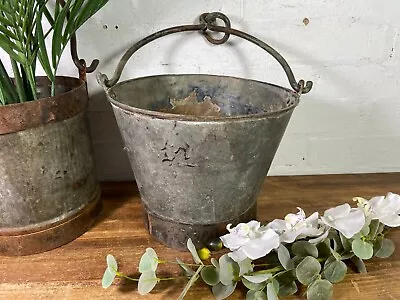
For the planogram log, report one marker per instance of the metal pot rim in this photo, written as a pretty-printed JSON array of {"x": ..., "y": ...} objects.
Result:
[
  {"x": 164, "y": 115},
  {"x": 20, "y": 116}
]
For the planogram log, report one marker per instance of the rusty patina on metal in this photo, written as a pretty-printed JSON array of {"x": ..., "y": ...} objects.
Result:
[
  {"x": 71, "y": 100},
  {"x": 49, "y": 194}
]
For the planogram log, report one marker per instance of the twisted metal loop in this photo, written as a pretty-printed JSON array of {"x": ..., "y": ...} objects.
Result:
[{"x": 208, "y": 21}]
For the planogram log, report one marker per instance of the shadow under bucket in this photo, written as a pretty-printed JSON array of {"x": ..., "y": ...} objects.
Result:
[{"x": 200, "y": 147}]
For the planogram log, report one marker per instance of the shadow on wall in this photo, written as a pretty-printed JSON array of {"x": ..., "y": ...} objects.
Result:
[{"x": 112, "y": 163}]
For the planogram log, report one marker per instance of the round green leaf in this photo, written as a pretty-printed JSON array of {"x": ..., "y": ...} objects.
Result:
[
  {"x": 112, "y": 264},
  {"x": 386, "y": 249},
  {"x": 221, "y": 291},
  {"x": 304, "y": 248},
  {"x": 228, "y": 269},
  {"x": 287, "y": 289},
  {"x": 284, "y": 258},
  {"x": 258, "y": 278},
  {"x": 256, "y": 295},
  {"x": 254, "y": 286},
  {"x": 245, "y": 266},
  {"x": 359, "y": 264},
  {"x": 272, "y": 290},
  {"x": 307, "y": 269},
  {"x": 210, "y": 275},
  {"x": 323, "y": 249},
  {"x": 193, "y": 251},
  {"x": 321, "y": 289},
  {"x": 215, "y": 263},
  {"x": 334, "y": 270},
  {"x": 362, "y": 249},
  {"x": 108, "y": 278},
  {"x": 188, "y": 270},
  {"x": 147, "y": 281}
]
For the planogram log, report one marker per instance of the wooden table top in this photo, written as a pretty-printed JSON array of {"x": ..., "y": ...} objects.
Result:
[{"x": 74, "y": 271}]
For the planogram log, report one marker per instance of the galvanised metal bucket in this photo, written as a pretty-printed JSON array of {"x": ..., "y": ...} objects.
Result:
[
  {"x": 200, "y": 145},
  {"x": 48, "y": 191}
]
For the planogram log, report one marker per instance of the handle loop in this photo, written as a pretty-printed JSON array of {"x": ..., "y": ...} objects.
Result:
[{"x": 208, "y": 22}]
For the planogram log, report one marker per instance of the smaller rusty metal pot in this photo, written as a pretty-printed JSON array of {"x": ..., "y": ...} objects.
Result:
[
  {"x": 48, "y": 191},
  {"x": 200, "y": 145}
]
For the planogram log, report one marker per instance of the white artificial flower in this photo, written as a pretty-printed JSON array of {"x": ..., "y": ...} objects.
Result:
[
  {"x": 249, "y": 241},
  {"x": 345, "y": 219},
  {"x": 297, "y": 226},
  {"x": 386, "y": 209}
]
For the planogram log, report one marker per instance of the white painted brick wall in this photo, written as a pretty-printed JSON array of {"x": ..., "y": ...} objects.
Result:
[{"x": 349, "y": 122}]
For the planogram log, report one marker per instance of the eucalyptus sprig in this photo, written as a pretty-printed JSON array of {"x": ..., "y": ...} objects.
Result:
[{"x": 271, "y": 261}]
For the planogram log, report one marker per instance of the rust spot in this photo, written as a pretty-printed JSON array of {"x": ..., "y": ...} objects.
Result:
[
  {"x": 191, "y": 106},
  {"x": 306, "y": 21}
]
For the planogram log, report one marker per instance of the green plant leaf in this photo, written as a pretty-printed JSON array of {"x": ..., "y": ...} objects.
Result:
[
  {"x": 284, "y": 258},
  {"x": 188, "y": 270},
  {"x": 272, "y": 292},
  {"x": 321, "y": 289},
  {"x": 147, "y": 282},
  {"x": 386, "y": 249},
  {"x": 378, "y": 244},
  {"x": 193, "y": 251},
  {"x": 228, "y": 269},
  {"x": 215, "y": 263},
  {"x": 346, "y": 243},
  {"x": 42, "y": 50},
  {"x": 148, "y": 261},
  {"x": 192, "y": 280},
  {"x": 307, "y": 269},
  {"x": 210, "y": 275},
  {"x": 323, "y": 249},
  {"x": 337, "y": 242},
  {"x": 112, "y": 263},
  {"x": 258, "y": 277},
  {"x": 221, "y": 291},
  {"x": 304, "y": 248},
  {"x": 108, "y": 278},
  {"x": 254, "y": 286},
  {"x": 287, "y": 289},
  {"x": 347, "y": 255},
  {"x": 245, "y": 266},
  {"x": 359, "y": 264},
  {"x": 373, "y": 229},
  {"x": 334, "y": 270},
  {"x": 256, "y": 295},
  {"x": 362, "y": 249}
]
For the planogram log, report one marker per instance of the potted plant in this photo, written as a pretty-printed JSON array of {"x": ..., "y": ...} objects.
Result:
[{"x": 48, "y": 191}]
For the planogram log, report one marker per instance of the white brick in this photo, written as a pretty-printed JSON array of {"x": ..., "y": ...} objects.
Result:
[{"x": 348, "y": 155}]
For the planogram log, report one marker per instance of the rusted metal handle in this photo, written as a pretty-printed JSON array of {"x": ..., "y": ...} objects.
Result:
[
  {"x": 79, "y": 63},
  {"x": 207, "y": 23}
]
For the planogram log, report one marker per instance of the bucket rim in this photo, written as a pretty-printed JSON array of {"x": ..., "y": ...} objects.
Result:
[{"x": 170, "y": 116}]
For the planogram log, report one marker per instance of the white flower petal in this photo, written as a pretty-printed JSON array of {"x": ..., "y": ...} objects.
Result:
[
  {"x": 233, "y": 241},
  {"x": 254, "y": 225},
  {"x": 238, "y": 255},
  {"x": 313, "y": 220},
  {"x": 391, "y": 220},
  {"x": 278, "y": 225},
  {"x": 260, "y": 247},
  {"x": 337, "y": 212},
  {"x": 348, "y": 225}
]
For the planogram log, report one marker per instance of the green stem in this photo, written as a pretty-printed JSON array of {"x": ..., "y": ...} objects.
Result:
[
  {"x": 53, "y": 87},
  {"x": 119, "y": 274},
  {"x": 31, "y": 80},
  {"x": 18, "y": 81},
  {"x": 176, "y": 263}
]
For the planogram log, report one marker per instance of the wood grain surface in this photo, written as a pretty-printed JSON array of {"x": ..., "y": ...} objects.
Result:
[{"x": 74, "y": 271}]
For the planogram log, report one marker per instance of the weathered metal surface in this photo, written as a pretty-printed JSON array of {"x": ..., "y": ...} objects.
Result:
[
  {"x": 71, "y": 101},
  {"x": 196, "y": 173},
  {"x": 200, "y": 145},
  {"x": 47, "y": 175}
]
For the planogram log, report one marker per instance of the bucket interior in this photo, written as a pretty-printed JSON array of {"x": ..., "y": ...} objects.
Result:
[{"x": 202, "y": 96}]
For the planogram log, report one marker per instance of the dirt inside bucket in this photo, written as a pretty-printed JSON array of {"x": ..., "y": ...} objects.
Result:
[{"x": 191, "y": 106}]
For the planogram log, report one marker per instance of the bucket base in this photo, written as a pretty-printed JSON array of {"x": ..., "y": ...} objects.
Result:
[
  {"x": 55, "y": 236},
  {"x": 175, "y": 235}
]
